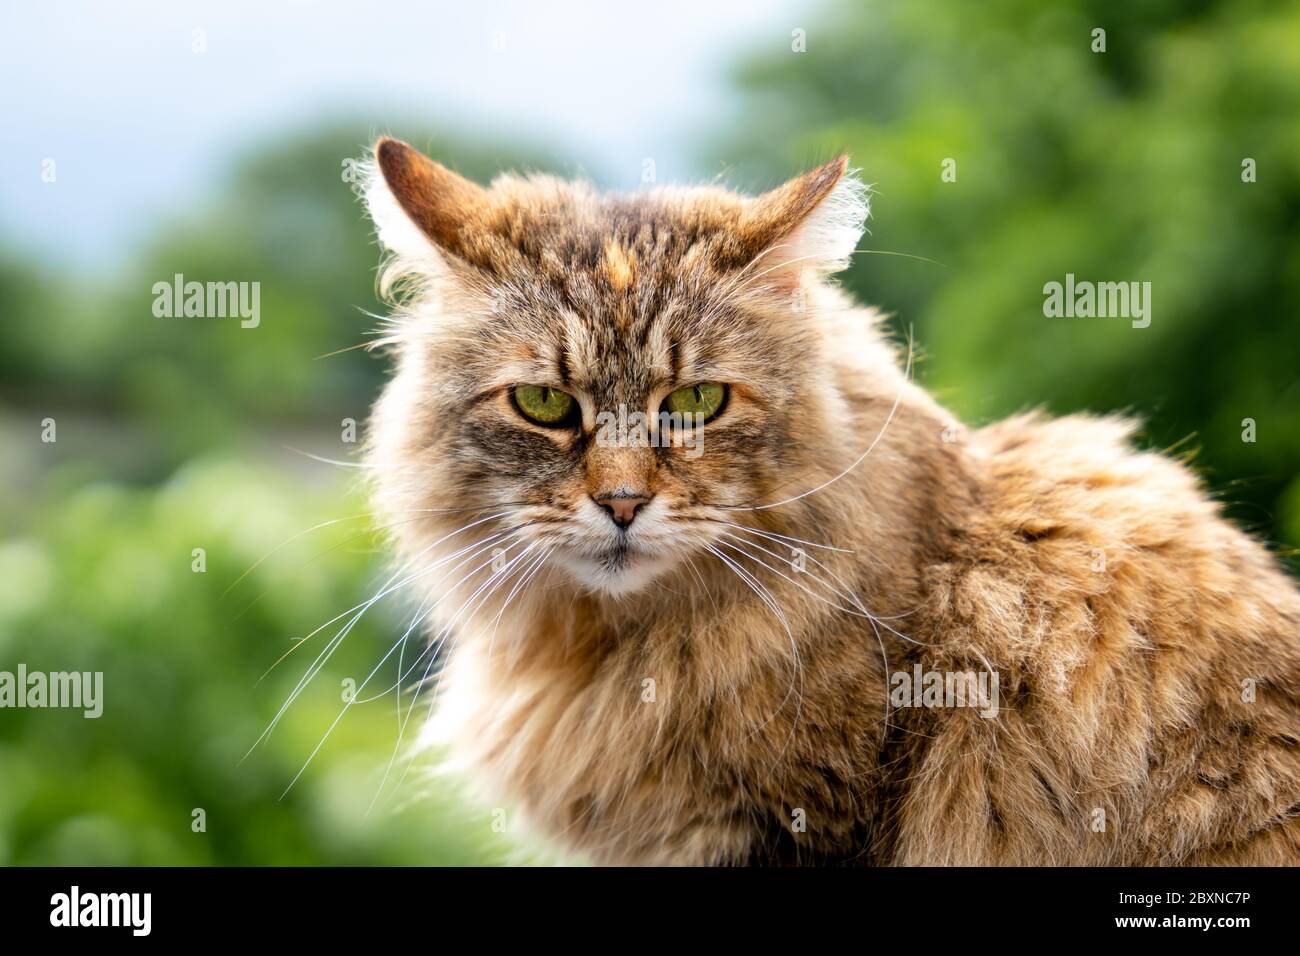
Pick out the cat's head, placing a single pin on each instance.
(607, 376)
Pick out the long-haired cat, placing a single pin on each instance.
(717, 583)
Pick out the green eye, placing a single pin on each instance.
(701, 401)
(544, 405)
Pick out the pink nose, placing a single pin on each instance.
(621, 509)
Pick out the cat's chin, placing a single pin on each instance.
(617, 573)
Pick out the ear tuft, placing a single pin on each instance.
(397, 234)
(418, 205)
(816, 219)
(832, 230)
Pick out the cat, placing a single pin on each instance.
(659, 657)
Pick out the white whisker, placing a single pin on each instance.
(797, 673)
(907, 376)
(318, 664)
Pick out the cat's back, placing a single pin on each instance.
(1149, 653)
(1072, 499)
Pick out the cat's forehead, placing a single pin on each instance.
(615, 287)
(560, 229)
(614, 321)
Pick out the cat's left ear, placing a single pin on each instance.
(813, 222)
(420, 208)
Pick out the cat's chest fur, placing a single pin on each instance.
(656, 750)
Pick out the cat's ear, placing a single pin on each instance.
(813, 222)
(419, 206)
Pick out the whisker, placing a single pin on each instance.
(258, 563)
(326, 461)
(370, 532)
(450, 590)
(385, 589)
(847, 593)
(348, 705)
(780, 538)
(365, 514)
(431, 650)
(529, 573)
(797, 674)
(368, 346)
(875, 622)
(417, 619)
(907, 375)
(360, 610)
(880, 641)
(904, 255)
(777, 571)
(499, 578)
(703, 585)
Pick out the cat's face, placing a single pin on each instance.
(613, 376)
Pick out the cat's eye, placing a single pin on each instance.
(545, 405)
(701, 401)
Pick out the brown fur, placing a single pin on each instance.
(1119, 610)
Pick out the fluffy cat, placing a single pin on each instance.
(673, 653)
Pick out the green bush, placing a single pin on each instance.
(104, 582)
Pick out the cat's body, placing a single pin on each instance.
(717, 688)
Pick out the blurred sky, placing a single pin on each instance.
(139, 124)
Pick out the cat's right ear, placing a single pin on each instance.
(419, 207)
(811, 223)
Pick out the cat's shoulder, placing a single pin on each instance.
(1079, 532)
(1083, 474)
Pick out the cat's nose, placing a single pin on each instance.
(621, 508)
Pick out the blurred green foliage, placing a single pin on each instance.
(172, 433)
(285, 217)
(103, 581)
